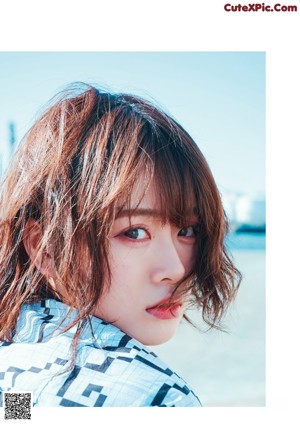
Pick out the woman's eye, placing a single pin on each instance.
(136, 234)
(190, 231)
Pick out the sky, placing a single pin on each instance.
(218, 97)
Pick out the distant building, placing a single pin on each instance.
(246, 212)
(12, 135)
(8, 147)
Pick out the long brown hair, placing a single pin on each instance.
(78, 162)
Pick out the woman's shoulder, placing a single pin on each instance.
(133, 374)
(111, 368)
(38, 322)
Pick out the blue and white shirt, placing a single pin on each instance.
(111, 368)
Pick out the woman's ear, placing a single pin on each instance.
(32, 237)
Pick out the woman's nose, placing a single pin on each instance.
(167, 265)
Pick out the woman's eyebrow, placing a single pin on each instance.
(154, 213)
(139, 212)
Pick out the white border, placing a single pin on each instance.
(195, 25)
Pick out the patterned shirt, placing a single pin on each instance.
(111, 368)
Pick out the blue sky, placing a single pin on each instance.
(219, 97)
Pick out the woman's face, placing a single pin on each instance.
(146, 259)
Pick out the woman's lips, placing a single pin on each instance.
(164, 311)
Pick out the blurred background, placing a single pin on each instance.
(219, 98)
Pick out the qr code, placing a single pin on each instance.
(17, 406)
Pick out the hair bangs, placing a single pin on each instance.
(177, 200)
(162, 160)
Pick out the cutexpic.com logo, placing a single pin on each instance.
(259, 7)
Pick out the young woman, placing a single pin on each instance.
(111, 228)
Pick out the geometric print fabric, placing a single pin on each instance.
(110, 369)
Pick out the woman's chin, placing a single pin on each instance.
(155, 338)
